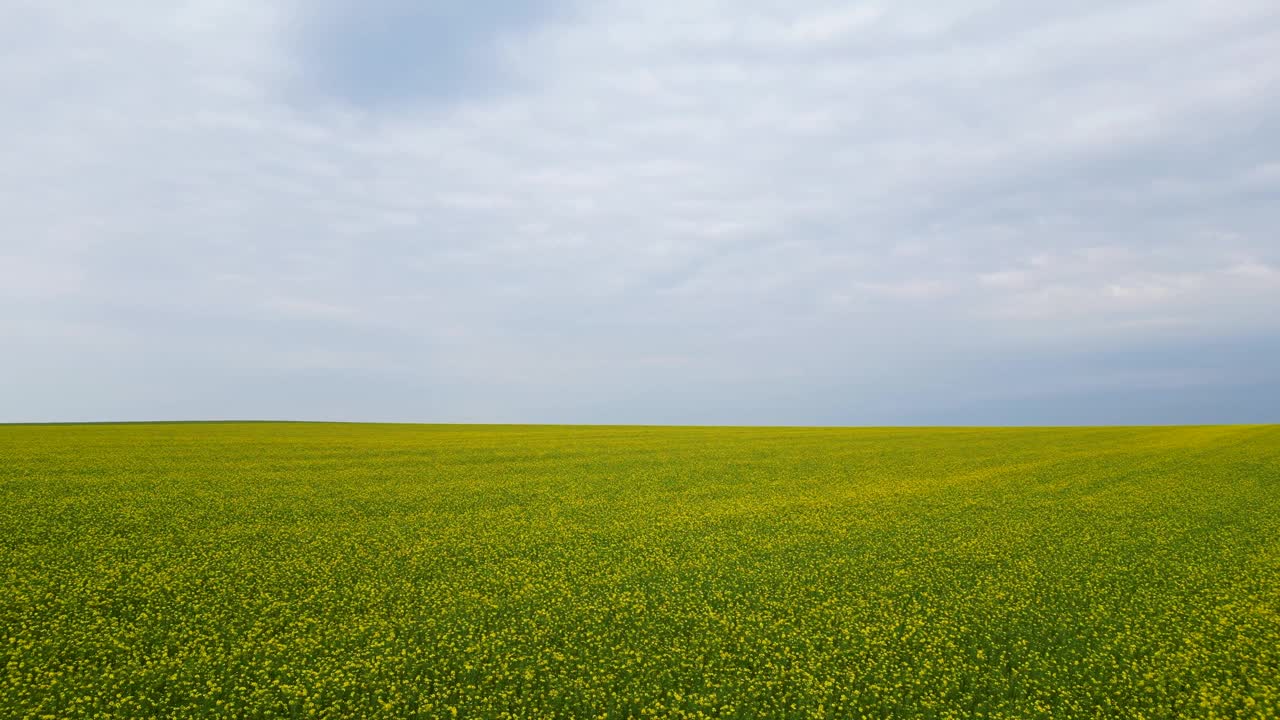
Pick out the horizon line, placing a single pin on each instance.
(60, 423)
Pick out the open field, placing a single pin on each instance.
(310, 570)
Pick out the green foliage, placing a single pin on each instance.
(382, 571)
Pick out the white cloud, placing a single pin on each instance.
(1005, 279)
(37, 278)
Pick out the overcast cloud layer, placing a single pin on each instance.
(693, 211)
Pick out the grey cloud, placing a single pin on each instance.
(407, 52)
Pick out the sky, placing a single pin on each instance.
(757, 212)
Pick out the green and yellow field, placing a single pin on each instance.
(386, 571)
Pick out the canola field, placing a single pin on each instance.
(401, 571)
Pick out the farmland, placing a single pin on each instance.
(382, 571)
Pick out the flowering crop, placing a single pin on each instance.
(388, 571)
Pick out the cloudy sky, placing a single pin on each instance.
(674, 211)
